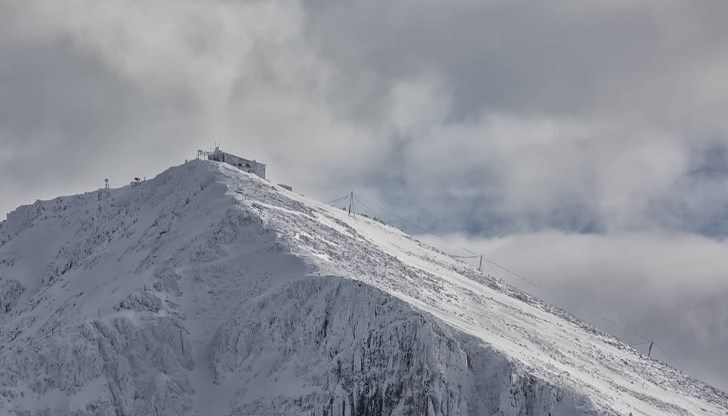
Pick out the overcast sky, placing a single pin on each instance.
(583, 144)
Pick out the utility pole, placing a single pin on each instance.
(649, 351)
(352, 208)
(480, 265)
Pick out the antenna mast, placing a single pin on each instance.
(352, 208)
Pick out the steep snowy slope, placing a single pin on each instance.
(208, 291)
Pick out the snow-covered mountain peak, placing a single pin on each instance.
(208, 290)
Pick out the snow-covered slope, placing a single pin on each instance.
(208, 291)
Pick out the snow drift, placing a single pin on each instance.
(209, 291)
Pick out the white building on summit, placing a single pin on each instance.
(250, 166)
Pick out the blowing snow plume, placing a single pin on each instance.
(210, 291)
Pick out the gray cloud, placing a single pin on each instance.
(698, 199)
(487, 118)
(532, 58)
(542, 107)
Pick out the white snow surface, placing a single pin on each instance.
(209, 291)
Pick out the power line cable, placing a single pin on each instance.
(337, 199)
(473, 254)
(371, 211)
(641, 344)
(590, 311)
(312, 184)
(518, 275)
(669, 356)
(412, 224)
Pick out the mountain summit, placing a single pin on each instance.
(210, 291)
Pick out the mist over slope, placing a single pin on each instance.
(210, 291)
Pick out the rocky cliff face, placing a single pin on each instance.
(210, 291)
(353, 350)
